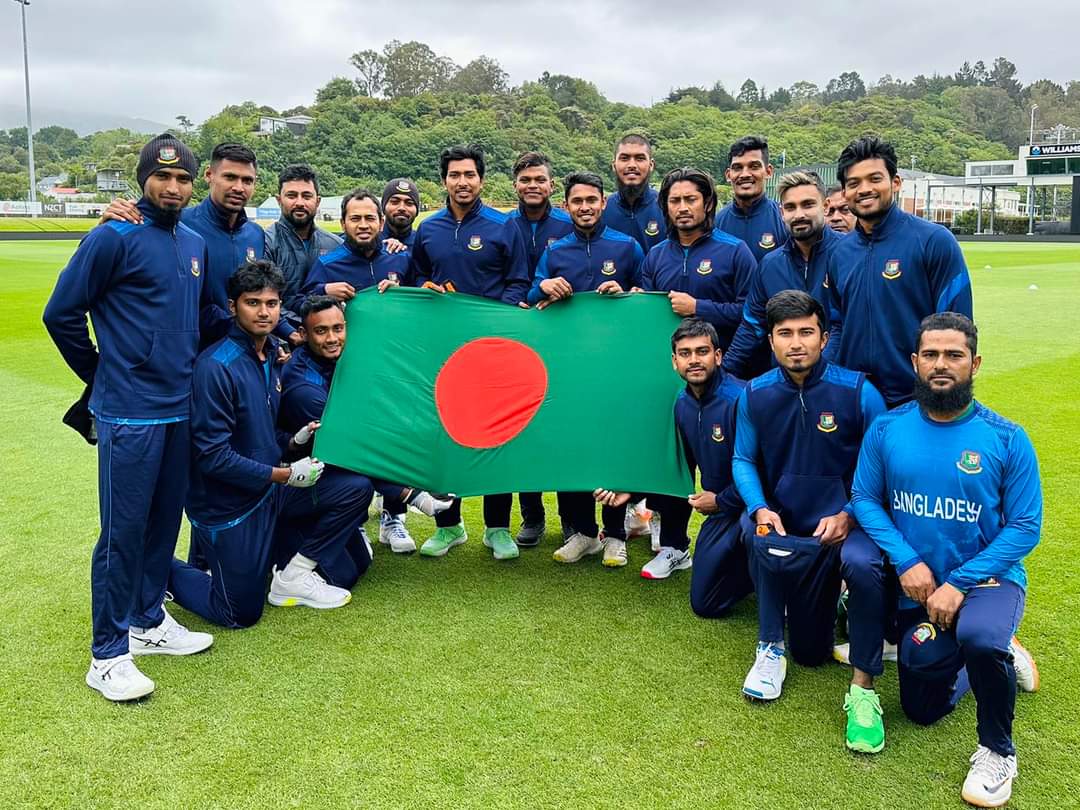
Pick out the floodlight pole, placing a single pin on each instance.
(29, 122)
(1031, 129)
(1031, 208)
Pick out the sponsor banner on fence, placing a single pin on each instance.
(19, 208)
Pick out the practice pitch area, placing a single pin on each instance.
(463, 681)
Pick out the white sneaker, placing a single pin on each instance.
(168, 638)
(427, 504)
(392, 532)
(308, 589)
(1027, 674)
(989, 781)
(118, 678)
(766, 677)
(614, 552)
(637, 519)
(665, 562)
(841, 653)
(576, 547)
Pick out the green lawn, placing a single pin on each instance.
(463, 682)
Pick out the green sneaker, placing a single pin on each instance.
(865, 728)
(445, 538)
(500, 542)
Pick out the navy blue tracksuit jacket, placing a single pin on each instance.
(482, 255)
(235, 399)
(586, 262)
(883, 285)
(540, 234)
(305, 382)
(346, 263)
(644, 221)
(762, 227)
(796, 447)
(716, 270)
(749, 354)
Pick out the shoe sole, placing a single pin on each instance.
(442, 552)
(528, 542)
(117, 699)
(579, 558)
(300, 601)
(977, 802)
(164, 651)
(389, 544)
(750, 693)
(680, 567)
(1031, 660)
(863, 748)
(614, 563)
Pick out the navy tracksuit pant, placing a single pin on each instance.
(532, 508)
(803, 576)
(720, 578)
(578, 511)
(142, 483)
(496, 512)
(321, 522)
(938, 666)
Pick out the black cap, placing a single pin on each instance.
(401, 185)
(165, 151)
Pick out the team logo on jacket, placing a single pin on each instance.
(250, 254)
(826, 422)
(970, 462)
(924, 632)
(403, 186)
(768, 241)
(195, 267)
(705, 267)
(167, 154)
(892, 269)
(609, 268)
(653, 228)
(717, 433)
(476, 243)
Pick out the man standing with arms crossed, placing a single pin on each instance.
(471, 248)
(142, 286)
(950, 491)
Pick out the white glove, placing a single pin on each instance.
(305, 472)
(304, 434)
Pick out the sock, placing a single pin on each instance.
(297, 567)
(858, 690)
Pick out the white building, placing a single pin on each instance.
(948, 195)
(296, 124)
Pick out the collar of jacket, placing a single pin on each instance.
(158, 216)
(709, 394)
(239, 336)
(596, 233)
(288, 226)
(323, 365)
(884, 225)
(543, 217)
(812, 379)
(221, 217)
(791, 246)
(472, 212)
(388, 232)
(355, 251)
(676, 245)
(755, 206)
(647, 197)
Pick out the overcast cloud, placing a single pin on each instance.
(193, 57)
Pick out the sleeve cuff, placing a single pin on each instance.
(906, 566)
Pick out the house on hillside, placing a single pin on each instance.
(296, 124)
(111, 181)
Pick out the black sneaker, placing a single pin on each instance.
(529, 535)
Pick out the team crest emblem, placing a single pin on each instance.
(717, 433)
(476, 243)
(403, 186)
(167, 154)
(705, 267)
(826, 422)
(924, 632)
(768, 241)
(195, 267)
(652, 229)
(970, 462)
(251, 254)
(608, 269)
(892, 269)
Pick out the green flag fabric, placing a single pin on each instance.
(456, 393)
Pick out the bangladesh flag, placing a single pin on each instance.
(455, 393)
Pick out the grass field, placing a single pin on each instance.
(464, 682)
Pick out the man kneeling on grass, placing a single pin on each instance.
(799, 428)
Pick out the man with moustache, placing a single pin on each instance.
(633, 208)
(294, 243)
(751, 216)
(892, 271)
(950, 491)
(838, 214)
(801, 263)
(470, 248)
(541, 225)
(142, 286)
(400, 205)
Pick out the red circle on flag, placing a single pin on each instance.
(489, 390)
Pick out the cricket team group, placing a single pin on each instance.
(828, 351)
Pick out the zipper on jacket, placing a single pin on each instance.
(685, 270)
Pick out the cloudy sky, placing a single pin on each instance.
(193, 57)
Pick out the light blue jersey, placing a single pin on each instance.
(963, 497)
